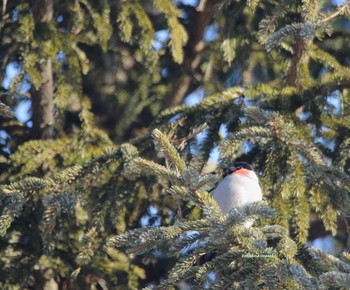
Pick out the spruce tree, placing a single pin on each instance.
(88, 201)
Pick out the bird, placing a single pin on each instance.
(239, 187)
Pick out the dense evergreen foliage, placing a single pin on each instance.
(106, 185)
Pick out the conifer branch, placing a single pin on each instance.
(156, 168)
(163, 145)
(345, 8)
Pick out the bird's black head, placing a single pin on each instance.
(237, 166)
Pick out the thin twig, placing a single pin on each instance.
(338, 12)
(189, 137)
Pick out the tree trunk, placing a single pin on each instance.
(42, 115)
(42, 98)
